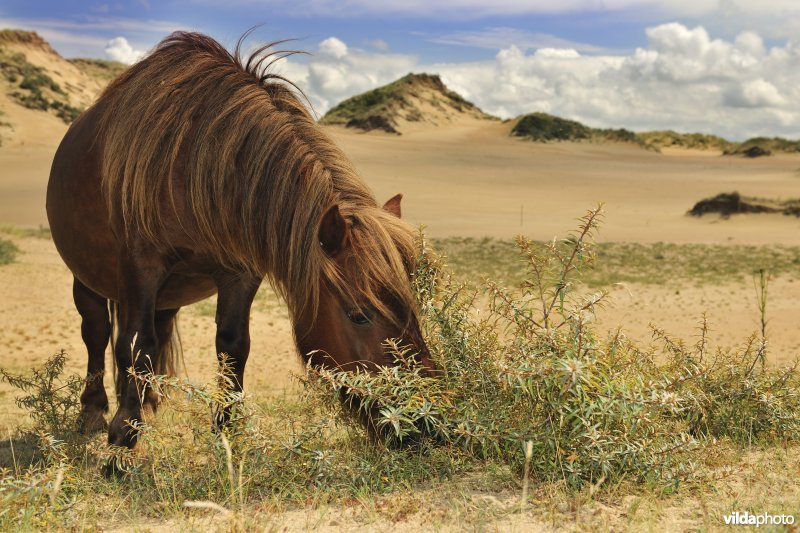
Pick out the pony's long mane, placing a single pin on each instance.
(257, 172)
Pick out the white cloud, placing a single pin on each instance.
(380, 44)
(333, 47)
(683, 79)
(119, 49)
(497, 38)
(754, 94)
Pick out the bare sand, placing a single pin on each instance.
(466, 180)
(473, 180)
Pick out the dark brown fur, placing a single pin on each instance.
(197, 172)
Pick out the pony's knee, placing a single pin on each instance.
(235, 342)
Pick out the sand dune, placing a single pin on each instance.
(474, 180)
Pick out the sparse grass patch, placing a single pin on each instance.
(619, 262)
(206, 307)
(100, 68)
(41, 232)
(8, 252)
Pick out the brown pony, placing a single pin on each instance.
(196, 172)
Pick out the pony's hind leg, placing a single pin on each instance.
(96, 332)
(142, 273)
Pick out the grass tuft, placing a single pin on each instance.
(8, 252)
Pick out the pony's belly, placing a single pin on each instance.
(185, 289)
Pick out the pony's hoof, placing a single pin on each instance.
(115, 468)
(91, 421)
(121, 433)
(221, 421)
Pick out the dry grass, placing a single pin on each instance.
(621, 438)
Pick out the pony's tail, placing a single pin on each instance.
(113, 316)
(170, 350)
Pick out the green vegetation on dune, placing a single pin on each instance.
(727, 204)
(542, 127)
(669, 139)
(380, 108)
(370, 110)
(100, 68)
(764, 146)
(16, 35)
(34, 88)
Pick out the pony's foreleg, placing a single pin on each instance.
(236, 292)
(141, 275)
(96, 332)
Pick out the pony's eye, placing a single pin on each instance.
(360, 316)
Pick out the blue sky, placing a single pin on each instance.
(729, 67)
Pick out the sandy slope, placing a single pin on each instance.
(29, 138)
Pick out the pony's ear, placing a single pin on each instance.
(333, 231)
(392, 205)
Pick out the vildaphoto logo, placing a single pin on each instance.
(747, 519)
